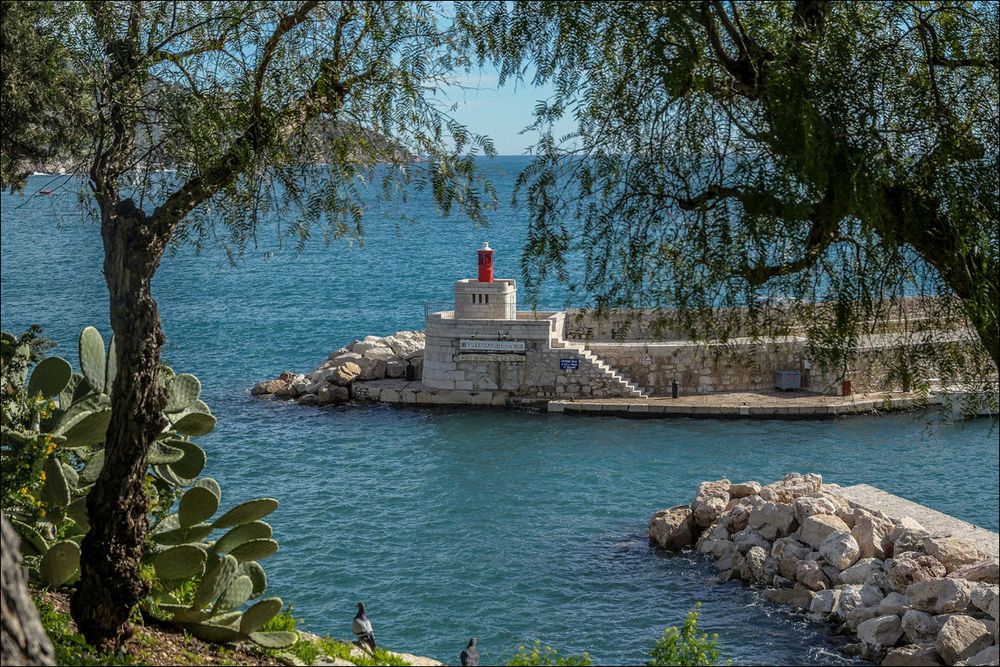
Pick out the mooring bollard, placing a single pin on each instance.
(674, 387)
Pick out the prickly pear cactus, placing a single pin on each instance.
(187, 540)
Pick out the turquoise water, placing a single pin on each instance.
(509, 526)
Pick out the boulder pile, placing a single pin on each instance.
(909, 597)
(400, 355)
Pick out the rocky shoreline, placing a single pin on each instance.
(909, 597)
(397, 356)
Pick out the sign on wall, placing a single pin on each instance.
(569, 364)
(472, 345)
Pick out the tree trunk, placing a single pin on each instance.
(110, 585)
(22, 638)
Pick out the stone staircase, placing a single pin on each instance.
(629, 389)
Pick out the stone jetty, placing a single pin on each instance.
(399, 355)
(859, 558)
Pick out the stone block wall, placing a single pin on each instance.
(535, 374)
(486, 301)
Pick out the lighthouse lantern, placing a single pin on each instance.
(485, 263)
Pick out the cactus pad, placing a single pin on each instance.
(215, 581)
(92, 469)
(211, 485)
(197, 504)
(194, 533)
(254, 530)
(55, 490)
(182, 391)
(59, 563)
(279, 639)
(252, 569)
(251, 510)
(193, 462)
(32, 542)
(254, 550)
(160, 453)
(195, 423)
(92, 359)
(50, 377)
(238, 592)
(111, 369)
(217, 634)
(259, 614)
(179, 562)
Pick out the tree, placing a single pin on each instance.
(207, 115)
(840, 155)
(24, 639)
(39, 118)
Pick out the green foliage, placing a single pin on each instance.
(308, 650)
(70, 647)
(546, 656)
(734, 158)
(43, 100)
(200, 585)
(685, 646)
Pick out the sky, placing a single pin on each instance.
(500, 113)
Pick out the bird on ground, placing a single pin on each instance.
(362, 627)
(470, 654)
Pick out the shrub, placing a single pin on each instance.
(547, 656)
(685, 646)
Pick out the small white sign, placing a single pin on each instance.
(471, 345)
(488, 356)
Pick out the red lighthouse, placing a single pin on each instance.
(485, 263)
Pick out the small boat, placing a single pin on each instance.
(45, 192)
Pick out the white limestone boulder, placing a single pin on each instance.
(880, 632)
(817, 527)
(671, 528)
(861, 571)
(872, 535)
(940, 596)
(744, 489)
(988, 656)
(893, 603)
(912, 655)
(909, 567)
(807, 506)
(710, 502)
(810, 574)
(920, 627)
(953, 552)
(962, 637)
(907, 535)
(773, 520)
(840, 549)
(986, 571)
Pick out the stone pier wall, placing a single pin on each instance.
(535, 374)
(746, 365)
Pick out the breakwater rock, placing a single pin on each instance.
(400, 355)
(910, 598)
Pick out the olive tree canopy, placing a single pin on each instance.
(196, 119)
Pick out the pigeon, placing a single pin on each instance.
(470, 654)
(362, 627)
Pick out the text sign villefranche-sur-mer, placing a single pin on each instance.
(567, 364)
(466, 345)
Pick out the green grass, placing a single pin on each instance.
(70, 647)
(308, 650)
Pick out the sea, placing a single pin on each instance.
(507, 525)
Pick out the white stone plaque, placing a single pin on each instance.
(485, 356)
(472, 345)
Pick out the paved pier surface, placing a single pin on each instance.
(771, 405)
(937, 523)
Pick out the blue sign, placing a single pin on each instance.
(566, 364)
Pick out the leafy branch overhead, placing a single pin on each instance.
(753, 154)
